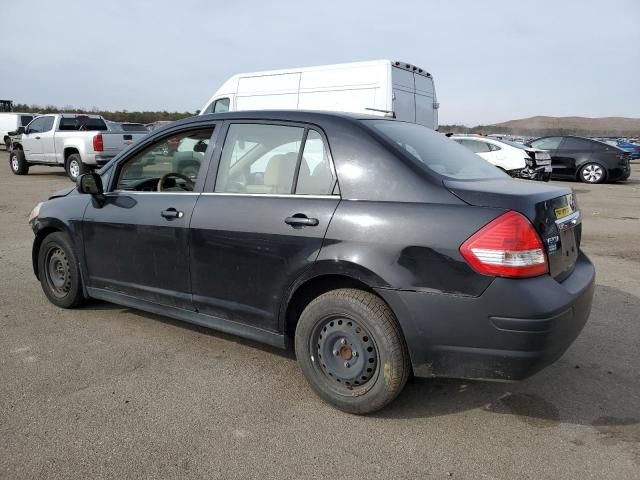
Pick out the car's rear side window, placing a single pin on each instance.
(266, 159)
(82, 123)
(434, 151)
(576, 144)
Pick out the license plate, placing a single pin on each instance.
(562, 211)
(547, 169)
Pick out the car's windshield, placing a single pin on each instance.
(434, 151)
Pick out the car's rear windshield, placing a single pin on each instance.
(82, 124)
(435, 151)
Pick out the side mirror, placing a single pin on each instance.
(90, 183)
(20, 131)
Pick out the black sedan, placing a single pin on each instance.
(583, 159)
(378, 248)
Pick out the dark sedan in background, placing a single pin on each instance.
(583, 159)
(378, 248)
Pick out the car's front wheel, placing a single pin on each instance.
(352, 351)
(592, 173)
(59, 271)
(18, 163)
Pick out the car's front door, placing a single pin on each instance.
(136, 240)
(31, 141)
(262, 221)
(47, 140)
(551, 144)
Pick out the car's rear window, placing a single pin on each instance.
(435, 151)
(82, 124)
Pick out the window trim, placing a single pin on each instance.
(214, 168)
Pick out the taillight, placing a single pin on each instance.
(98, 145)
(508, 246)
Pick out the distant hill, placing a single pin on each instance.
(539, 126)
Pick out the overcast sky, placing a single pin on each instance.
(491, 60)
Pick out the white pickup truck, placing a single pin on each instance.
(77, 142)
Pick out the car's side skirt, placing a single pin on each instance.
(215, 323)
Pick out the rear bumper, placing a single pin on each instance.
(514, 329)
(619, 174)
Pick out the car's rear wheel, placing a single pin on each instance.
(59, 271)
(18, 163)
(592, 173)
(352, 351)
(75, 167)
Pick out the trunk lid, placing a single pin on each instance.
(552, 211)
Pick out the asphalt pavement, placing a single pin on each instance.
(110, 392)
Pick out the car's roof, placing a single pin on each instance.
(290, 115)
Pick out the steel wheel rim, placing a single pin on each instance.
(57, 272)
(74, 168)
(592, 173)
(14, 163)
(345, 353)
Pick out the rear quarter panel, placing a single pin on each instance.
(408, 246)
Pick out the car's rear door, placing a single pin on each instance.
(571, 155)
(261, 220)
(136, 241)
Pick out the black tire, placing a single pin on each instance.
(18, 163)
(75, 167)
(59, 271)
(592, 173)
(340, 323)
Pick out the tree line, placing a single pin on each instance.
(113, 115)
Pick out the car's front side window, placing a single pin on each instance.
(170, 164)
(549, 143)
(47, 124)
(36, 126)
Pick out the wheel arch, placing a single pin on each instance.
(588, 161)
(309, 288)
(37, 242)
(68, 151)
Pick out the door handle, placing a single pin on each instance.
(301, 220)
(37, 138)
(171, 213)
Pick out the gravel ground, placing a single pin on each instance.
(110, 392)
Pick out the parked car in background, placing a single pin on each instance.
(155, 125)
(76, 142)
(378, 87)
(10, 122)
(126, 126)
(514, 158)
(583, 159)
(288, 232)
(631, 148)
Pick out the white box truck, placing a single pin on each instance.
(378, 87)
